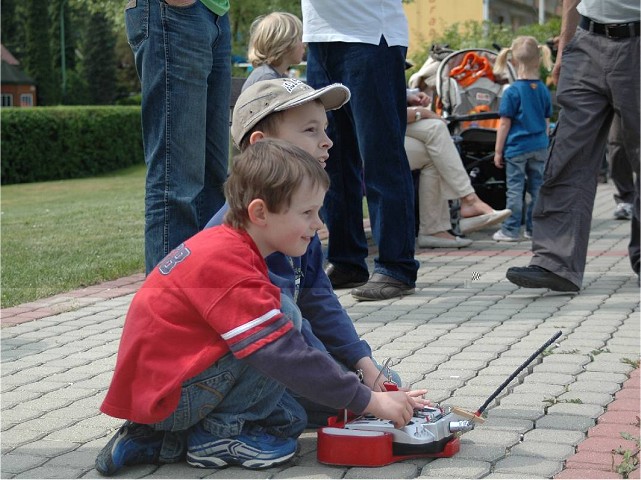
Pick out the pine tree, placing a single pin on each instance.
(37, 57)
(100, 59)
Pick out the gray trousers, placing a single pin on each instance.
(598, 77)
(620, 166)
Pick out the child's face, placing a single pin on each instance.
(304, 126)
(290, 231)
(296, 54)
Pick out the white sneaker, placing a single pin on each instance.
(527, 235)
(501, 237)
(623, 211)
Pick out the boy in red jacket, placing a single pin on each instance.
(208, 347)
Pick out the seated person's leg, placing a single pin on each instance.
(440, 149)
(227, 404)
(434, 215)
(432, 206)
(235, 404)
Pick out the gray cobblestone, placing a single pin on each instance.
(548, 451)
(587, 410)
(557, 421)
(567, 437)
(18, 463)
(538, 466)
(455, 468)
(601, 399)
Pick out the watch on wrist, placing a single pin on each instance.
(417, 115)
(359, 374)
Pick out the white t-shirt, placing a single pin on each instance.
(610, 11)
(355, 21)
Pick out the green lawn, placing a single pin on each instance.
(62, 235)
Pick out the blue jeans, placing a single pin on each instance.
(523, 172)
(368, 154)
(182, 57)
(229, 394)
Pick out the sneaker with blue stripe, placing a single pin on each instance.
(132, 444)
(253, 449)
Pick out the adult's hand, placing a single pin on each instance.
(420, 99)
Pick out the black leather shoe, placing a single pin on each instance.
(382, 287)
(346, 277)
(534, 276)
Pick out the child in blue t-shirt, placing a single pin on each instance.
(522, 137)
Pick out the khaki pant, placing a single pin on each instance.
(431, 150)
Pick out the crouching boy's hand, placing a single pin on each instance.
(417, 396)
(397, 407)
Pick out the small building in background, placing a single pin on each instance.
(17, 88)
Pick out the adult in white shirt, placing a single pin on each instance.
(362, 44)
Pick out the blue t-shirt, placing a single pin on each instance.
(528, 104)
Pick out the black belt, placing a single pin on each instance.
(610, 30)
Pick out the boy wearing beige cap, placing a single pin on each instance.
(291, 110)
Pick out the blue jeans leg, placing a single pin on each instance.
(182, 57)
(230, 394)
(368, 135)
(515, 179)
(534, 170)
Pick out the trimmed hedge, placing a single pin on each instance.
(54, 143)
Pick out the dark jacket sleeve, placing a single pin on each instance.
(320, 306)
(310, 373)
(217, 219)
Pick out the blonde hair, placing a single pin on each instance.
(527, 55)
(271, 170)
(271, 36)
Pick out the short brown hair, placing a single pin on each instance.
(270, 170)
(268, 125)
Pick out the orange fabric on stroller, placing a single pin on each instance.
(472, 68)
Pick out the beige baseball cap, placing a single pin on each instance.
(269, 96)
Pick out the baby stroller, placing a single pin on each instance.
(468, 96)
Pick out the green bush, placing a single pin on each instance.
(135, 99)
(54, 143)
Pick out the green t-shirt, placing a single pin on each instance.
(219, 7)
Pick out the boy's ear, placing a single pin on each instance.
(257, 212)
(256, 136)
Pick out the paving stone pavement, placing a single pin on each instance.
(460, 336)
